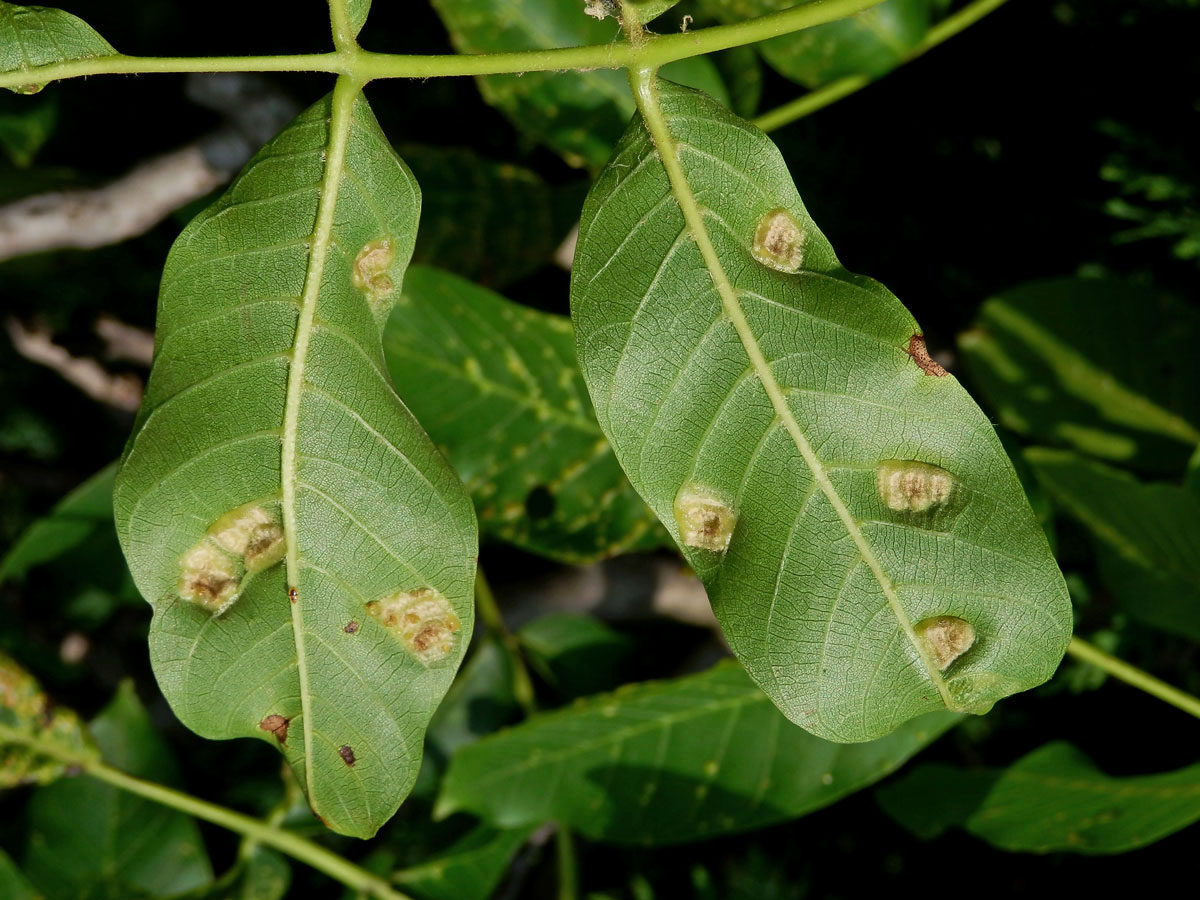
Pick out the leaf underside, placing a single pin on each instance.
(269, 336)
(32, 36)
(668, 762)
(828, 572)
(498, 387)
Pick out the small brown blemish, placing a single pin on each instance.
(293, 595)
(371, 270)
(351, 627)
(946, 637)
(920, 355)
(277, 725)
(346, 752)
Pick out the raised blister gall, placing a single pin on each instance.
(706, 520)
(946, 637)
(277, 725)
(909, 486)
(253, 533)
(371, 268)
(210, 577)
(779, 241)
(421, 619)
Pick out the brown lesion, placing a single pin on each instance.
(920, 355)
(277, 725)
(346, 752)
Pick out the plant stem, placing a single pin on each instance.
(843, 87)
(293, 845)
(568, 865)
(363, 65)
(489, 613)
(1131, 675)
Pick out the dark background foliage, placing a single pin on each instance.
(992, 161)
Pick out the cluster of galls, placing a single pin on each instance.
(242, 542)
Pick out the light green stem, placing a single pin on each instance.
(363, 65)
(293, 845)
(1131, 675)
(568, 864)
(489, 614)
(843, 87)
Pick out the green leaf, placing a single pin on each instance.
(88, 839)
(578, 114)
(577, 655)
(261, 874)
(24, 131)
(1102, 366)
(13, 884)
(32, 36)
(480, 701)
(869, 44)
(487, 221)
(1053, 800)
(854, 517)
(269, 429)
(1148, 536)
(498, 387)
(28, 720)
(357, 12)
(668, 762)
(84, 512)
(469, 870)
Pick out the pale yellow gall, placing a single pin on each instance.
(946, 637)
(910, 486)
(371, 268)
(706, 520)
(779, 241)
(422, 619)
(253, 533)
(209, 577)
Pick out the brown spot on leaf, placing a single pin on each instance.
(929, 365)
(347, 755)
(293, 595)
(351, 627)
(277, 725)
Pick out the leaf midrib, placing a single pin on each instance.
(645, 89)
(345, 93)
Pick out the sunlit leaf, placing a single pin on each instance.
(1053, 800)
(1148, 536)
(667, 762)
(865, 543)
(308, 553)
(578, 114)
(498, 388)
(28, 719)
(88, 839)
(1102, 366)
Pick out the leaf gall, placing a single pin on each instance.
(779, 242)
(706, 521)
(421, 619)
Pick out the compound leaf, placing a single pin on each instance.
(1098, 365)
(668, 762)
(308, 553)
(1053, 800)
(28, 720)
(1148, 535)
(33, 36)
(498, 387)
(578, 114)
(865, 542)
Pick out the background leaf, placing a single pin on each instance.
(382, 528)
(1053, 800)
(870, 43)
(1102, 366)
(469, 870)
(849, 503)
(668, 762)
(32, 36)
(30, 716)
(24, 129)
(1147, 536)
(88, 839)
(13, 884)
(498, 388)
(576, 655)
(578, 114)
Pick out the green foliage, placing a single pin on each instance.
(576, 655)
(35, 734)
(783, 417)
(32, 36)
(1147, 536)
(88, 839)
(578, 114)
(1053, 358)
(1053, 800)
(25, 129)
(268, 339)
(471, 869)
(13, 884)
(498, 388)
(870, 43)
(668, 762)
